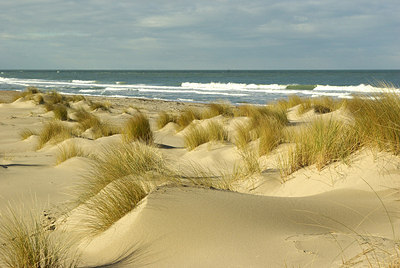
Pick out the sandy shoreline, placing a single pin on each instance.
(337, 216)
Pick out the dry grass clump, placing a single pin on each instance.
(30, 93)
(198, 175)
(164, 118)
(258, 113)
(60, 112)
(243, 135)
(138, 128)
(250, 159)
(112, 203)
(53, 97)
(320, 105)
(377, 119)
(320, 143)
(118, 161)
(218, 108)
(270, 132)
(54, 132)
(86, 119)
(266, 123)
(26, 133)
(197, 135)
(25, 242)
(69, 150)
(105, 106)
(75, 98)
(186, 117)
(99, 128)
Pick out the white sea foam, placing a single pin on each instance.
(84, 81)
(230, 86)
(88, 90)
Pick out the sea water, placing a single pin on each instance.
(258, 87)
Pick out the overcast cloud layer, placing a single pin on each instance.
(177, 34)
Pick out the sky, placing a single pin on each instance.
(203, 34)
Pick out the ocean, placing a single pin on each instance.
(257, 87)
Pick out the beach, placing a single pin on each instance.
(230, 198)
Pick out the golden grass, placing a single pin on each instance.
(60, 112)
(69, 150)
(218, 108)
(118, 161)
(377, 119)
(320, 143)
(53, 97)
(138, 128)
(257, 113)
(250, 160)
(197, 135)
(164, 118)
(105, 106)
(270, 132)
(186, 117)
(198, 175)
(243, 135)
(112, 203)
(26, 133)
(54, 132)
(75, 98)
(86, 119)
(25, 242)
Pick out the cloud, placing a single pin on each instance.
(213, 34)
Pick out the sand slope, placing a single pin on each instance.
(341, 216)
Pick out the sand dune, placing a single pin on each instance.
(344, 215)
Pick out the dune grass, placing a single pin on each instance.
(53, 97)
(320, 105)
(137, 128)
(320, 143)
(113, 202)
(377, 119)
(54, 132)
(218, 108)
(197, 135)
(250, 160)
(105, 106)
(271, 133)
(26, 133)
(99, 128)
(60, 112)
(69, 150)
(25, 242)
(243, 135)
(75, 98)
(164, 118)
(118, 161)
(186, 117)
